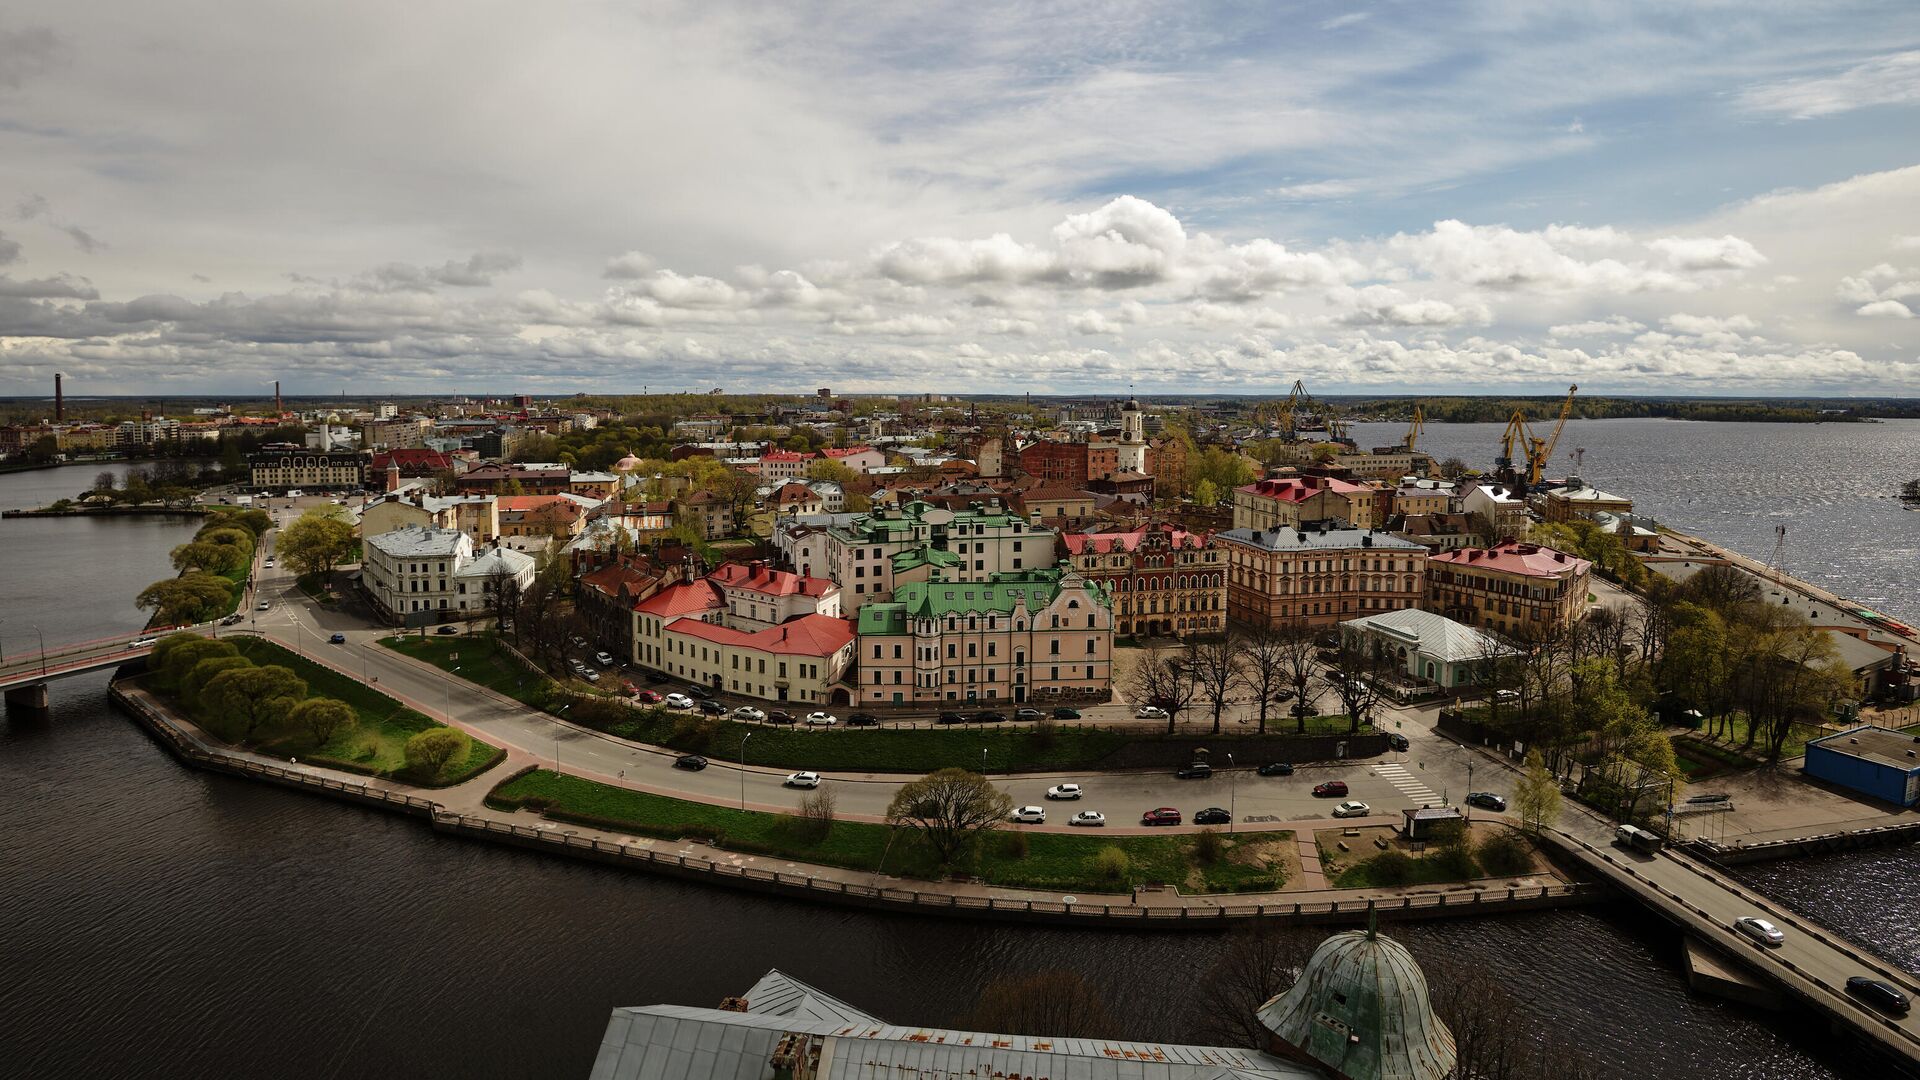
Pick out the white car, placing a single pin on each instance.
(1088, 817)
(803, 779)
(603, 659)
(1352, 808)
(269, 563)
(1031, 815)
(679, 701)
(142, 643)
(1064, 791)
(1150, 712)
(748, 712)
(264, 605)
(821, 719)
(1760, 930)
(590, 676)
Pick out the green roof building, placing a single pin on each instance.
(873, 553)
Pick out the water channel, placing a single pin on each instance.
(166, 922)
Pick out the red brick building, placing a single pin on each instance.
(1075, 463)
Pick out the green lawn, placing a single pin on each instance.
(1736, 734)
(478, 661)
(1355, 871)
(1051, 860)
(375, 745)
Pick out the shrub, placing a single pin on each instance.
(692, 733)
(1506, 853)
(428, 752)
(1208, 846)
(816, 815)
(1112, 864)
(1390, 867)
(1044, 732)
(1013, 844)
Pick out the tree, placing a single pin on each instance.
(157, 656)
(205, 557)
(503, 600)
(104, 483)
(1453, 468)
(1206, 493)
(1294, 650)
(1536, 795)
(1053, 1003)
(247, 699)
(256, 522)
(829, 469)
(1215, 668)
(1164, 681)
(1723, 587)
(815, 814)
(317, 541)
(1356, 677)
(1259, 963)
(428, 752)
(322, 718)
(202, 673)
(949, 808)
(1266, 677)
(192, 597)
(240, 540)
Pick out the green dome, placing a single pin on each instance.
(1361, 1009)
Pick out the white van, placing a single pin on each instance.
(1638, 839)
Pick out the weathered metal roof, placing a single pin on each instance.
(779, 994)
(1361, 1007)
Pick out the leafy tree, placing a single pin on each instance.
(1505, 853)
(1206, 493)
(322, 718)
(428, 752)
(317, 541)
(203, 556)
(190, 598)
(238, 539)
(202, 673)
(254, 521)
(247, 699)
(949, 808)
(829, 469)
(1536, 795)
(162, 649)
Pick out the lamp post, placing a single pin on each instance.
(743, 769)
(1469, 790)
(559, 712)
(43, 648)
(446, 711)
(1233, 793)
(983, 761)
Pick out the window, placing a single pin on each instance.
(876, 650)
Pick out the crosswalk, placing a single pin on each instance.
(1407, 784)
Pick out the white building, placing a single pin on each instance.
(1500, 504)
(873, 552)
(1133, 438)
(476, 582)
(409, 572)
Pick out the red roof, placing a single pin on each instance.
(611, 578)
(412, 458)
(1300, 488)
(793, 491)
(508, 504)
(1514, 557)
(1101, 543)
(784, 455)
(761, 578)
(808, 635)
(846, 452)
(681, 599)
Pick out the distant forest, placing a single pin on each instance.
(1471, 410)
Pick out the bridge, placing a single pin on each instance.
(1811, 966)
(24, 678)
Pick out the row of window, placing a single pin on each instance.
(1262, 583)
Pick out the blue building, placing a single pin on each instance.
(1870, 760)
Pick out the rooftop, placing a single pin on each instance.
(417, 541)
(1514, 557)
(1285, 538)
(1876, 744)
(760, 578)
(808, 635)
(1435, 635)
(1000, 594)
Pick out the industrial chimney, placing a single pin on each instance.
(59, 397)
(277, 407)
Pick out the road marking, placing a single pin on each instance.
(1405, 782)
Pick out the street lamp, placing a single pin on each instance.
(743, 769)
(1233, 792)
(43, 648)
(447, 711)
(983, 761)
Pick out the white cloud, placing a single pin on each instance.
(1349, 19)
(1886, 80)
(944, 261)
(1886, 309)
(1501, 258)
(628, 265)
(1612, 325)
(1699, 325)
(1708, 253)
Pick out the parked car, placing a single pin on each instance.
(627, 688)
(337, 638)
(679, 701)
(1882, 996)
(650, 697)
(1030, 815)
(1064, 713)
(988, 716)
(802, 779)
(1486, 800)
(590, 675)
(1332, 789)
(748, 712)
(690, 761)
(143, 643)
(951, 718)
(696, 690)
(1088, 817)
(781, 716)
(1276, 768)
(1028, 714)
(863, 719)
(1165, 815)
(1396, 741)
(1760, 930)
(1150, 712)
(603, 659)
(1212, 815)
(821, 719)
(1064, 791)
(657, 677)
(448, 630)
(710, 707)
(1506, 696)
(1199, 770)
(578, 641)
(1352, 808)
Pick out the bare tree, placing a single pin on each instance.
(949, 808)
(1297, 649)
(1215, 667)
(1259, 963)
(1266, 673)
(503, 601)
(1356, 677)
(1164, 680)
(1061, 1004)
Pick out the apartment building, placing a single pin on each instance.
(873, 552)
(421, 574)
(1163, 579)
(283, 468)
(1319, 575)
(707, 512)
(476, 515)
(1578, 499)
(1294, 501)
(1521, 590)
(690, 630)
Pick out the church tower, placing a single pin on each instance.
(1133, 437)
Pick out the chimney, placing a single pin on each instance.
(277, 407)
(59, 397)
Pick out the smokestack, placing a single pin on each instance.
(277, 407)
(59, 397)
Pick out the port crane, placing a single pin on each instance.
(1538, 451)
(1299, 404)
(1415, 429)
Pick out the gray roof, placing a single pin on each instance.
(779, 994)
(497, 560)
(1435, 635)
(1287, 538)
(418, 541)
(1361, 1007)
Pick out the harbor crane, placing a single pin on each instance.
(1538, 451)
(1415, 429)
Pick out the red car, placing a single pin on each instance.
(1166, 815)
(651, 697)
(629, 689)
(1332, 789)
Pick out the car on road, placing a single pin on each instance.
(1212, 815)
(988, 716)
(1064, 791)
(690, 761)
(1028, 714)
(1882, 996)
(1396, 741)
(650, 697)
(1276, 768)
(1486, 800)
(590, 675)
(1165, 815)
(951, 718)
(709, 706)
(1064, 713)
(1352, 808)
(232, 619)
(696, 690)
(337, 638)
(801, 779)
(679, 701)
(781, 716)
(1199, 770)
(863, 719)
(748, 712)
(1332, 789)
(821, 719)
(264, 605)
(448, 630)
(1150, 712)
(1088, 817)
(603, 659)
(1506, 696)
(143, 643)
(1030, 815)
(1760, 930)
(269, 563)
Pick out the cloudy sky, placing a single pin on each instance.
(1418, 196)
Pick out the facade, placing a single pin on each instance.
(477, 579)
(1319, 576)
(1164, 579)
(784, 464)
(1302, 500)
(710, 514)
(1874, 761)
(560, 516)
(395, 433)
(1072, 462)
(410, 572)
(287, 468)
(861, 459)
(1500, 505)
(502, 479)
(757, 596)
(1578, 499)
(1386, 464)
(1521, 590)
(1027, 635)
(1422, 497)
(476, 515)
(1426, 648)
(1439, 532)
(412, 464)
(875, 551)
(1132, 455)
(688, 630)
(605, 599)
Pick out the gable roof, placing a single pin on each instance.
(760, 578)
(1435, 635)
(1515, 557)
(809, 635)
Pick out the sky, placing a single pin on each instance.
(1424, 197)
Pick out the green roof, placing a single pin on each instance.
(923, 555)
(998, 595)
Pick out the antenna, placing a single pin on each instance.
(1778, 561)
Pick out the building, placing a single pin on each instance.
(285, 468)
(1578, 499)
(1360, 1010)
(1420, 497)
(1520, 590)
(1427, 648)
(758, 596)
(1164, 579)
(1503, 508)
(605, 599)
(1439, 532)
(784, 465)
(559, 516)
(593, 485)
(395, 433)
(688, 630)
(409, 573)
(1043, 635)
(1387, 464)
(1302, 500)
(1072, 462)
(412, 463)
(1132, 454)
(1057, 503)
(875, 551)
(861, 459)
(477, 580)
(1874, 761)
(1319, 575)
(515, 480)
(710, 514)
(476, 515)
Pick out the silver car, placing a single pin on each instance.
(1760, 930)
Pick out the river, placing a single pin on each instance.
(167, 922)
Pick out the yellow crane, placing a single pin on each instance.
(1537, 450)
(1415, 429)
